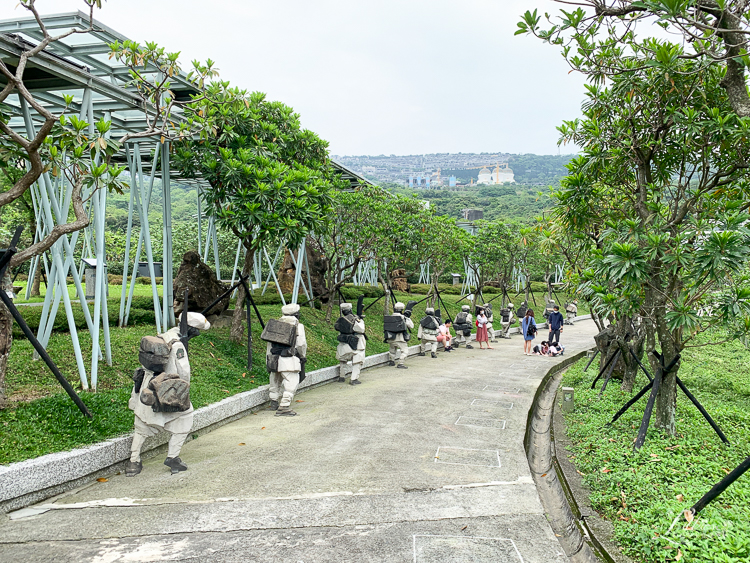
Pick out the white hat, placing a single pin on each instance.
(510, 305)
(345, 306)
(290, 309)
(429, 311)
(399, 306)
(465, 308)
(197, 320)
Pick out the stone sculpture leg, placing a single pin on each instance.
(403, 349)
(290, 380)
(356, 368)
(175, 444)
(275, 381)
(142, 431)
(393, 351)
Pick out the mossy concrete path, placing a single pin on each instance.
(423, 465)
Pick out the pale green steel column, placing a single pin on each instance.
(128, 234)
(167, 289)
(47, 197)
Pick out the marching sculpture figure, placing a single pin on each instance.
(428, 332)
(161, 394)
(490, 319)
(462, 326)
(396, 328)
(571, 310)
(286, 355)
(506, 319)
(352, 341)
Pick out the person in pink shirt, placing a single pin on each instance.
(445, 335)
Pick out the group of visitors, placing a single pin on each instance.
(549, 347)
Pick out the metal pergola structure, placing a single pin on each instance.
(79, 66)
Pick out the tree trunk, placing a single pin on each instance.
(332, 299)
(35, 287)
(666, 398)
(528, 290)
(237, 332)
(386, 288)
(6, 338)
(330, 284)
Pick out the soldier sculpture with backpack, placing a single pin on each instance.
(462, 326)
(396, 329)
(428, 332)
(352, 342)
(286, 355)
(160, 398)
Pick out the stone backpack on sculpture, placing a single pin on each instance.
(430, 323)
(394, 324)
(345, 324)
(283, 339)
(153, 353)
(461, 324)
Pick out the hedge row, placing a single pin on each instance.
(141, 312)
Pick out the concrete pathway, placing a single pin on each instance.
(423, 465)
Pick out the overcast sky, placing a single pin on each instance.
(377, 77)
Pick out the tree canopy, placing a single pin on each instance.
(656, 197)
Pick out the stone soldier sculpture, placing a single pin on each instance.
(506, 319)
(571, 310)
(521, 311)
(490, 319)
(352, 341)
(161, 393)
(462, 326)
(286, 355)
(428, 332)
(396, 329)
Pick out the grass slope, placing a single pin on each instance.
(642, 493)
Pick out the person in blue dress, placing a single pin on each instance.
(528, 329)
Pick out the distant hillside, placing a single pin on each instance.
(512, 202)
(529, 169)
(539, 169)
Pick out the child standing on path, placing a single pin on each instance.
(528, 329)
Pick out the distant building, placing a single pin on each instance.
(472, 215)
(501, 174)
(419, 181)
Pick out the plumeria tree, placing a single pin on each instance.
(269, 180)
(402, 222)
(443, 246)
(351, 236)
(657, 196)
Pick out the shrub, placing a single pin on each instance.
(147, 281)
(444, 288)
(352, 292)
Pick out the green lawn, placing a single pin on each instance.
(642, 493)
(44, 420)
(140, 289)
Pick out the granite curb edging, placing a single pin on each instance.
(600, 530)
(557, 487)
(26, 482)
